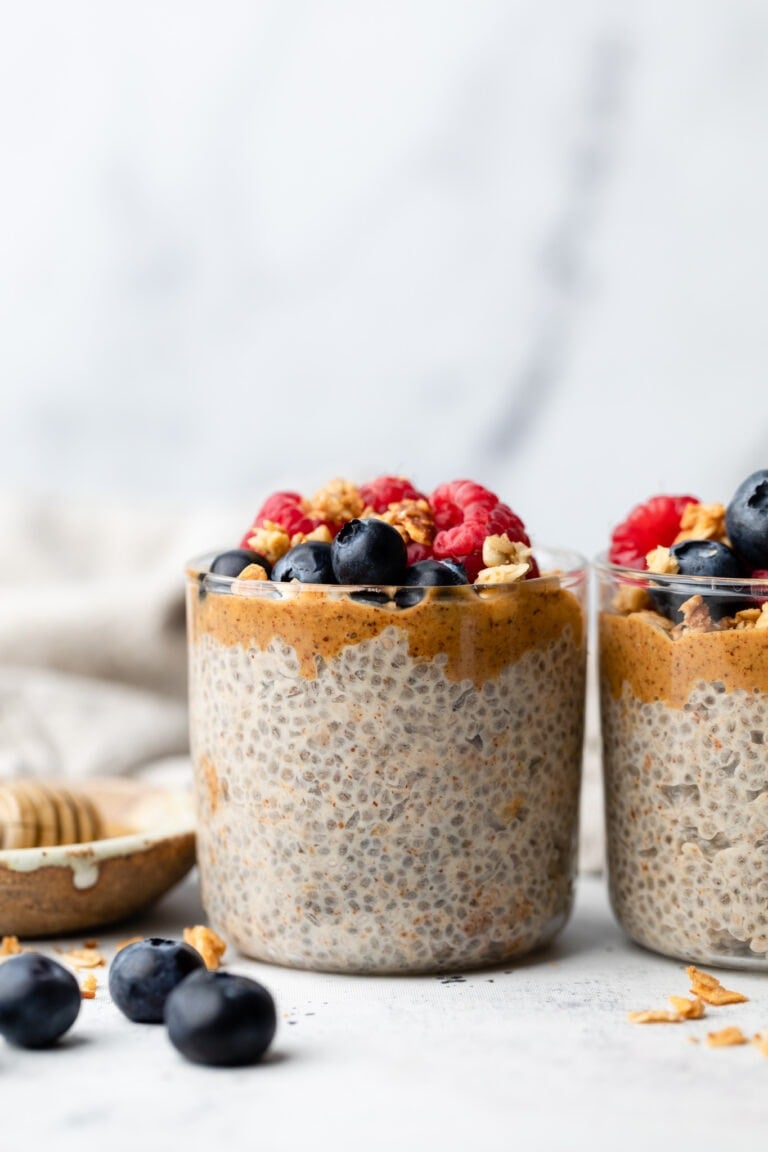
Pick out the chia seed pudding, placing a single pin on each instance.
(685, 754)
(387, 785)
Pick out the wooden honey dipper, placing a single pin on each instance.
(38, 815)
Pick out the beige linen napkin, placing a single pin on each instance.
(92, 634)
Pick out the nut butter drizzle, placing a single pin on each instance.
(479, 633)
(634, 651)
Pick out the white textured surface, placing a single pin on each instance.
(538, 1057)
(256, 244)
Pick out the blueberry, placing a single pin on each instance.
(457, 567)
(233, 562)
(701, 558)
(746, 520)
(370, 596)
(369, 552)
(309, 562)
(142, 975)
(435, 572)
(220, 1018)
(427, 573)
(39, 1000)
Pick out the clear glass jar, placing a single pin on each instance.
(684, 707)
(387, 780)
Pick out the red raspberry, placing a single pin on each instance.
(457, 501)
(386, 490)
(654, 524)
(417, 552)
(465, 513)
(285, 509)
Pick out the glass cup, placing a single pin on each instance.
(684, 707)
(387, 780)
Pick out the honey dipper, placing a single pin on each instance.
(37, 815)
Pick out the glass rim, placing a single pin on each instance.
(735, 584)
(575, 568)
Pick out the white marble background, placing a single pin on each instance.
(249, 244)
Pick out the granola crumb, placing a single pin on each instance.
(760, 1040)
(321, 535)
(413, 519)
(208, 943)
(270, 541)
(709, 988)
(661, 562)
(88, 987)
(85, 957)
(502, 550)
(656, 620)
(253, 572)
(338, 501)
(688, 1009)
(696, 617)
(682, 1009)
(702, 522)
(630, 598)
(656, 1016)
(726, 1038)
(9, 946)
(505, 560)
(746, 619)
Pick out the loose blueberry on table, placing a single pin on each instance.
(220, 1018)
(142, 976)
(39, 1000)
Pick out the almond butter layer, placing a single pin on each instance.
(633, 650)
(479, 634)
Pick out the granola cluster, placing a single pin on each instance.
(705, 989)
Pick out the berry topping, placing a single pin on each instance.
(457, 568)
(701, 558)
(418, 552)
(427, 573)
(285, 509)
(386, 490)
(221, 1019)
(309, 562)
(232, 563)
(656, 523)
(290, 514)
(431, 573)
(142, 975)
(465, 513)
(451, 524)
(39, 1000)
(706, 558)
(746, 520)
(368, 552)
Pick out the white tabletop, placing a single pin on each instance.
(533, 1056)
